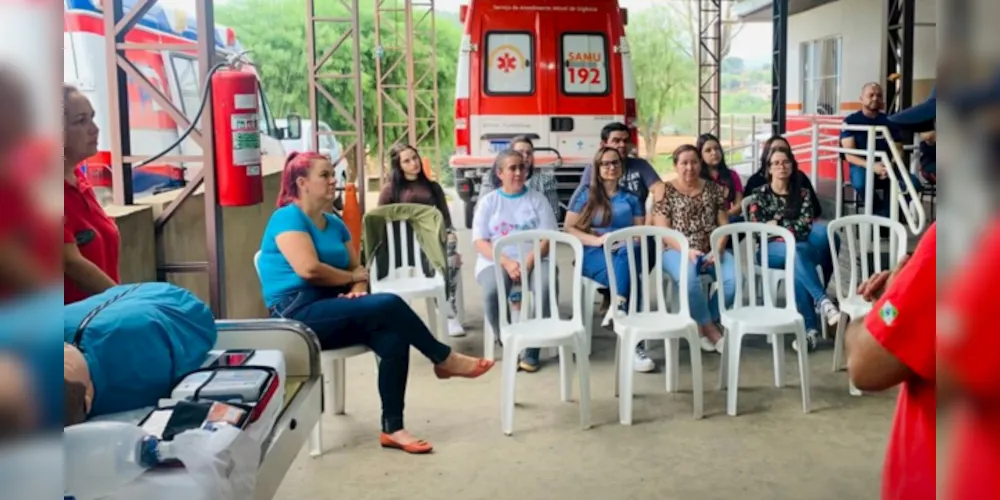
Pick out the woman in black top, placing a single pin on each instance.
(409, 184)
(819, 238)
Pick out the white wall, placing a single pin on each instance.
(861, 26)
(925, 41)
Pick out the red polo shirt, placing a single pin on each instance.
(24, 225)
(93, 232)
(903, 321)
(970, 350)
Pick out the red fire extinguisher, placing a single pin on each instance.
(235, 116)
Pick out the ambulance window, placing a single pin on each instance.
(186, 72)
(585, 64)
(508, 63)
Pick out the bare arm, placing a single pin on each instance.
(18, 270)
(723, 219)
(870, 366)
(737, 207)
(848, 143)
(569, 225)
(84, 273)
(298, 248)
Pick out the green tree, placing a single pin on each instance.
(275, 33)
(664, 75)
(733, 65)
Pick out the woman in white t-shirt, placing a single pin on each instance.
(510, 209)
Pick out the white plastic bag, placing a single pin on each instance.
(223, 463)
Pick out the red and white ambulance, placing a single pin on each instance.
(557, 71)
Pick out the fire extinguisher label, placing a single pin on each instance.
(245, 101)
(246, 141)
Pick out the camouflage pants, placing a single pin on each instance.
(454, 273)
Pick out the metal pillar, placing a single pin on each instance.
(900, 25)
(347, 27)
(395, 121)
(116, 25)
(709, 65)
(779, 65)
(425, 88)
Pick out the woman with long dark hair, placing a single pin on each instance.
(714, 168)
(309, 272)
(601, 209)
(819, 238)
(784, 201)
(409, 184)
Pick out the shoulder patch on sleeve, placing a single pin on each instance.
(888, 313)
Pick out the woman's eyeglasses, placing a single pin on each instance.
(611, 164)
(518, 167)
(781, 163)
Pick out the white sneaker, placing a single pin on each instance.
(812, 338)
(720, 345)
(707, 345)
(642, 362)
(608, 316)
(455, 328)
(829, 311)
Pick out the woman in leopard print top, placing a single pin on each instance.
(696, 207)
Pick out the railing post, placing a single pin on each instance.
(869, 171)
(815, 153)
(754, 149)
(840, 188)
(893, 209)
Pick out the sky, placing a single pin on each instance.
(753, 43)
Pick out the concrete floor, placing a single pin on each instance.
(771, 451)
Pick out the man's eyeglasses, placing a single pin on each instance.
(526, 153)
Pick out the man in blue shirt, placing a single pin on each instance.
(871, 114)
(639, 178)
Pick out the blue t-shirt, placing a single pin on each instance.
(861, 137)
(625, 207)
(639, 177)
(277, 278)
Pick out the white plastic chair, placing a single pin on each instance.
(645, 322)
(777, 276)
(860, 234)
(530, 329)
(753, 318)
(333, 367)
(406, 277)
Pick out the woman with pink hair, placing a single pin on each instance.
(309, 272)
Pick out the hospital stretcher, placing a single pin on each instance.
(293, 422)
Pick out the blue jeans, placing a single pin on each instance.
(383, 322)
(809, 290)
(880, 204)
(595, 267)
(819, 238)
(704, 309)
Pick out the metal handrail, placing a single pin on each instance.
(913, 210)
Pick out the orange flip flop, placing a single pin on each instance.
(415, 448)
(482, 366)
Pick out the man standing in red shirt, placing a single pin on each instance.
(894, 345)
(969, 368)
